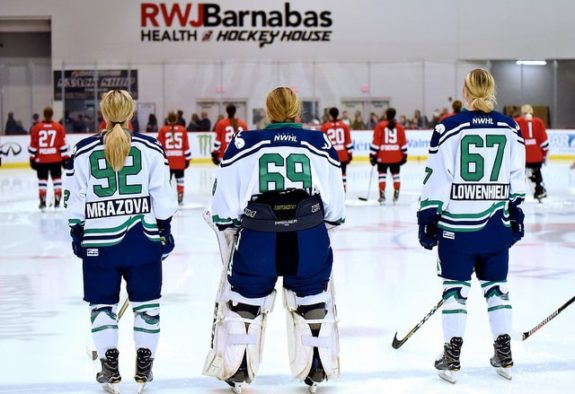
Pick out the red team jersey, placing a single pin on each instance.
(388, 145)
(535, 136)
(340, 137)
(224, 134)
(175, 141)
(48, 143)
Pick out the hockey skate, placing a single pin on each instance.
(502, 359)
(57, 202)
(540, 193)
(240, 377)
(395, 195)
(42, 205)
(448, 363)
(109, 376)
(316, 374)
(180, 199)
(144, 362)
(381, 198)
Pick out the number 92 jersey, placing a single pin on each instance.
(280, 157)
(109, 203)
(476, 167)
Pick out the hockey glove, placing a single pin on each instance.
(68, 163)
(350, 157)
(403, 160)
(427, 221)
(187, 164)
(33, 164)
(77, 233)
(166, 237)
(372, 160)
(215, 159)
(516, 216)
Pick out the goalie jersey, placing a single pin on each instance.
(283, 156)
(111, 205)
(476, 168)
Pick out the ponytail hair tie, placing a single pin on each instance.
(117, 123)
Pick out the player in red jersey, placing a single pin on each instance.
(226, 129)
(388, 150)
(536, 147)
(340, 137)
(174, 138)
(457, 106)
(48, 152)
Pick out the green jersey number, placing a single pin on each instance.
(115, 180)
(296, 168)
(473, 164)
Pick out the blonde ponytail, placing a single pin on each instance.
(117, 108)
(480, 87)
(282, 105)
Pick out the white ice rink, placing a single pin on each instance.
(385, 282)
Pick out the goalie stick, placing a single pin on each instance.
(397, 343)
(527, 334)
(366, 198)
(93, 353)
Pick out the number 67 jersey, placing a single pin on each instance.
(280, 157)
(108, 203)
(476, 167)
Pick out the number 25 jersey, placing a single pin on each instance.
(110, 203)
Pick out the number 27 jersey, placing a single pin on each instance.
(109, 203)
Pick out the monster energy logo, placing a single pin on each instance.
(205, 143)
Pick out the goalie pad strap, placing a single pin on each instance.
(316, 342)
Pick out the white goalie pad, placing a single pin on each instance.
(226, 239)
(234, 335)
(301, 341)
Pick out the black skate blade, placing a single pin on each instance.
(448, 376)
(504, 372)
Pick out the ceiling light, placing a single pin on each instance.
(531, 62)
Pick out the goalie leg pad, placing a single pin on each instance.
(238, 336)
(313, 338)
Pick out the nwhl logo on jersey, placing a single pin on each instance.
(126, 206)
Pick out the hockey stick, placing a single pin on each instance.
(397, 343)
(368, 186)
(527, 334)
(94, 354)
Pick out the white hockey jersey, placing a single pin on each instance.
(280, 157)
(476, 167)
(109, 203)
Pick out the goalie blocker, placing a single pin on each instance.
(289, 231)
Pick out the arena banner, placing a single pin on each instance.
(88, 84)
(14, 149)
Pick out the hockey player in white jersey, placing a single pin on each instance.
(119, 206)
(469, 207)
(277, 193)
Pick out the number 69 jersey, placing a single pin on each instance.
(280, 157)
(476, 167)
(110, 203)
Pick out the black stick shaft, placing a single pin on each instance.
(527, 334)
(397, 343)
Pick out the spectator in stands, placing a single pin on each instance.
(152, 126)
(345, 118)
(404, 121)
(220, 117)
(357, 123)
(11, 127)
(35, 119)
(205, 122)
(418, 121)
(456, 106)
(135, 123)
(373, 121)
(435, 118)
(194, 124)
(79, 125)
(181, 121)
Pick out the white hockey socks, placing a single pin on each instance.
(498, 306)
(104, 327)
(454, 308)
(147, 324)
